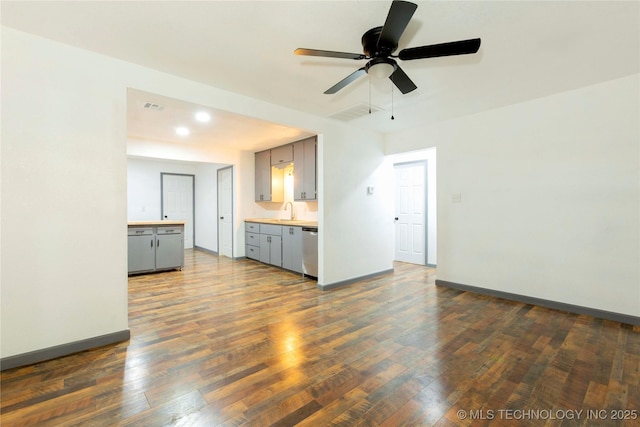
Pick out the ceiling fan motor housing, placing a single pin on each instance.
(370, 44)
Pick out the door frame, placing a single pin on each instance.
(218, 209)
(425, 163)
(193, 199)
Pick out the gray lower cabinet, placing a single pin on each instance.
(155, 248)
(279, 245)
(271, 244)
(252, 240)
(169, 248)
(141, 250)
(292, 248)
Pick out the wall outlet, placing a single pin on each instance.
(456, 198)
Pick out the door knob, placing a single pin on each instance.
(395, 219)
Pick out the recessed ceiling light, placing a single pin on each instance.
(182, 131)
(203, 116)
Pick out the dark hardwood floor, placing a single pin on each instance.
(238, 343)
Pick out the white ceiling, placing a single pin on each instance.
(529, 50)
(226, 130)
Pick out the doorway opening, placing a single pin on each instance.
(415, 207)
(225, 211)
(177, 202)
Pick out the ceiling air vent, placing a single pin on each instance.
(355, 112)
(153, 106)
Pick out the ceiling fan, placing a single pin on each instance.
(379, 43)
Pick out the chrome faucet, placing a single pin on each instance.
(293, 213)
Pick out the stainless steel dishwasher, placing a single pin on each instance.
(310, 251)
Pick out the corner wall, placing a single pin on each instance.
(64, 191)
(550, 196)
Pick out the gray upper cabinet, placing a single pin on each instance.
(270, 166)
(281, 156)
(263, 176)
(304, 169)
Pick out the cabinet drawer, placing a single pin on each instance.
(252, 252)
(252, 239)
(140, 231)
(274, 230)
(169, 230)
(253, 227)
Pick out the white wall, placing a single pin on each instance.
(144, 194)
(64, 217)
(356, 219)
(64, 168)
(550, 196)
(206, 213)
(428, 155)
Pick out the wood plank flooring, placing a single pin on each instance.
(235, 343)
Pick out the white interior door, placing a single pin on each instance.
(177, 202)
(225, 212)
(410, 220)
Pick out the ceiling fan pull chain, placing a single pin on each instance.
(392, 84)
(369, 94)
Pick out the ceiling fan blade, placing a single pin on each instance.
(402, 81)
(342, 83)
(328, 53)
(461, 47)
(399, 16)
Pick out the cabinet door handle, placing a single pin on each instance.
(158, 243)
(151, 242)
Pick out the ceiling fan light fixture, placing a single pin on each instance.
(381, 68)
(381, 71)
